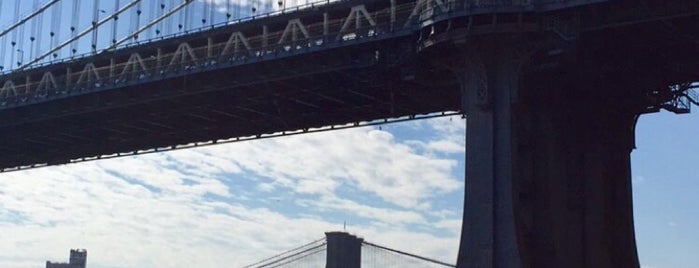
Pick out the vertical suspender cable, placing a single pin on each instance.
(204, 12)
(14, 35)
(188, 17)
(228, 10)
(2, 49)
(33, 34)
(212, 12)
(116, 21)
(181, 18)
(74, 26)
(168, 27)
(132, 22)
(162, 27)
(95, 18)
(169, 14)
(54, 35)
(39, 30)
(237, 7)
(152, 14)
(170, 23)
(28, 17)
(139, 10)
(20, 45)
(83, 33)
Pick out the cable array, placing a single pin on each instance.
(376, 256)
(308, 255)
(73, 28)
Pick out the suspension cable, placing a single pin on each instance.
(136, 21)
(408, 254)
(228, 10)
(152, 9)
(139, 11)
(295, 257)
(121, 10)
(160, 27)
(95, 17)
(54, 34)
(285, 253)
(32, 34)
(14, 35)
(2, 49)
(18, 22)
(38, 33)
(204, 12)
(167, 24)
(181, 21)
(184, 4)
(20, 45)
(115, 24)
(212, 8)
(74, 26)
(188, 18)
(237, 9)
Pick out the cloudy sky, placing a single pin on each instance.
(399, 185)
(230, 205)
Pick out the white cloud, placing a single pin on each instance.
(196, 208)
(449, 131)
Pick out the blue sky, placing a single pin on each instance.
(399, 185)
(665, 184)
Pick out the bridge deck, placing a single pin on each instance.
(340, 63)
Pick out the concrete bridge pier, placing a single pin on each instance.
(547, 167)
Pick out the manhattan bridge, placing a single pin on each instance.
(551, 90)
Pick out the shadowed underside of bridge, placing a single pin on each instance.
(224, 83)
(326, 88)
(551, 91)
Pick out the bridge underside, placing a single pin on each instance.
(334, 87)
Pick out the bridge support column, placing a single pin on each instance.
(547, 171)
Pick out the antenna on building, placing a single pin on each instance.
(344, 226)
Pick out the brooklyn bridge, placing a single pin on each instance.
(551, 90)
